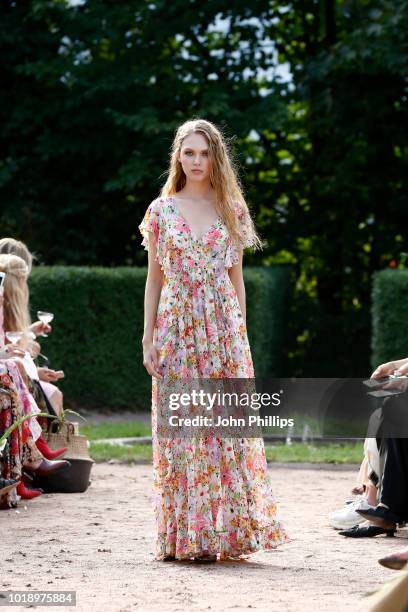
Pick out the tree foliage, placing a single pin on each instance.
(93, 97)
(92, 92)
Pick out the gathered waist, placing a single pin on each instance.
(193, 276)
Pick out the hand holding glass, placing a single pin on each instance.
(14, 336)
(45, 317)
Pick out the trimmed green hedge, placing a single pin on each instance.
(98, 328)
(389, 316)
(268, 291)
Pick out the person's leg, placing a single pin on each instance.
(370, 470)
(394, 479)
(392, 508)
(373, 459)
(371, 494)
(392, 442)
(32, 457)
(362, 476)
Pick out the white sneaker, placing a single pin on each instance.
(347, 517)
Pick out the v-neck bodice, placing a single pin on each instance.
(182, 216)
(179, 251)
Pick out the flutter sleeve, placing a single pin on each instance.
(232, 255)
(152, 222)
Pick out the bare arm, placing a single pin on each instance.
(154, 283)
(385, 369)
(237, 279)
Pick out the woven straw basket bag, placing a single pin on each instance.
(68, 436)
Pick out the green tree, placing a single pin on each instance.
(91, 99)
(336, 172)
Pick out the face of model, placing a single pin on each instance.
(194, 158)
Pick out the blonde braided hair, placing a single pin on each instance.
(16, 295)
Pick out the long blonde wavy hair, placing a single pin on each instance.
(11, 246)
(16, 295)
(223, 179)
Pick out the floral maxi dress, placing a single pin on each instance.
(212, 494)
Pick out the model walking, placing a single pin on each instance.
(213, 495)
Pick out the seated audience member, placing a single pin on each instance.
(17, 318)
(45, 377)
(14, 307)
(392, 507)
(393, 499)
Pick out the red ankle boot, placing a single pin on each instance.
(46, 451)
(26, 493)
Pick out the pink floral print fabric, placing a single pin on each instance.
(211, 494)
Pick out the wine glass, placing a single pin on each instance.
(14, 336)
(45, 317)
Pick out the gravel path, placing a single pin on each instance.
(100, 543)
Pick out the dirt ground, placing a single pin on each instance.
(100, 544)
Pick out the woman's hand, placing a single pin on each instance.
(10, 351)
(151, 359)
(402, 370)
(34, 348)
(400, 366)
(47, 375)
(39, 328)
